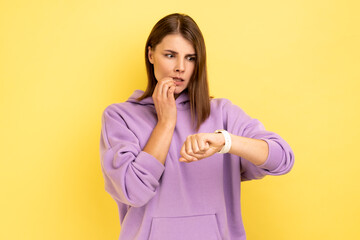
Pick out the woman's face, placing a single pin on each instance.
(174, 57)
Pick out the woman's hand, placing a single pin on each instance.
(160, 138)
(164, 101)
(200, 146)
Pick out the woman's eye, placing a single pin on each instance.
(191, 58)
(169, 55)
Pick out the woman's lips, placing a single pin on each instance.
(178, 81)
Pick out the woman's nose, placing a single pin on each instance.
(180, 66)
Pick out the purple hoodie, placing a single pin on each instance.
(181, 201)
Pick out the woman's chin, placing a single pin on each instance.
(178, 90)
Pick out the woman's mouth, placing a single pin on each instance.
(178, 81)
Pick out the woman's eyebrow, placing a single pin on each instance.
(173, 52)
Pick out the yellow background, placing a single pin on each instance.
(294, 65)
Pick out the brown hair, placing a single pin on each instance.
(197, 88)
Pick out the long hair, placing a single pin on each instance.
(198, 88)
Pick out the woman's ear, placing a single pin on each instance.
(150, 55)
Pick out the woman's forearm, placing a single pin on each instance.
(253, 150)
(159, 141)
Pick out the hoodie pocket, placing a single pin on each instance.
(203, 227)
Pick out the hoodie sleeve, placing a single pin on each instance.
(131, 175)
(280, 159)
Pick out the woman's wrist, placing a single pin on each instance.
(167, 125)
(225, 140)
(220, 139)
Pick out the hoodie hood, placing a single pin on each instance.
(182, 102)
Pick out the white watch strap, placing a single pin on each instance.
(227, 146)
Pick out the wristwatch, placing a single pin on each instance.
(227, 146)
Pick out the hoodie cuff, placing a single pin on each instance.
(151, 164)
(273, 160)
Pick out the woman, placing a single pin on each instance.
(172, 174)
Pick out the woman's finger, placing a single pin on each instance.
(164, 90)
(185, 156)
(166, 85)
(202, 142)
(194, 144)
(188, 147)
(171, 92)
